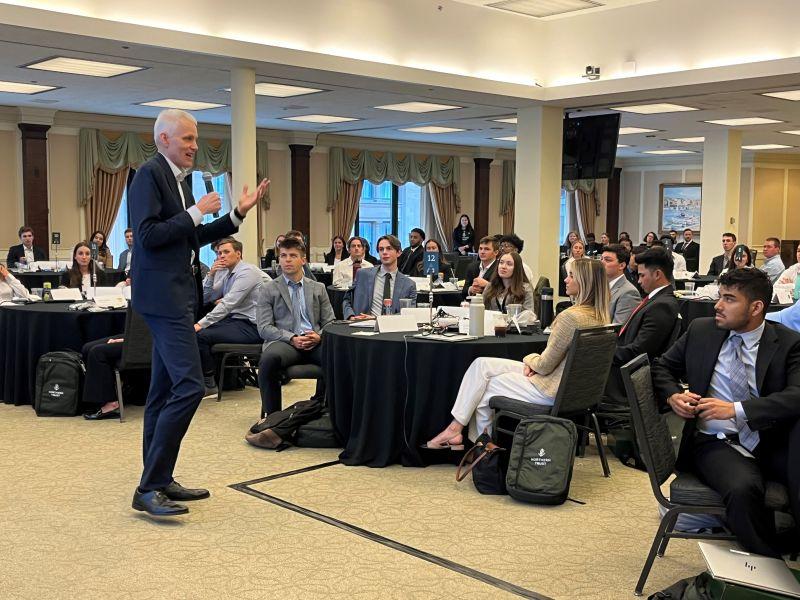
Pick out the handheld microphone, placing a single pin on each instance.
(209, 187)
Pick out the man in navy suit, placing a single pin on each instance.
(26, 250)
(378, 290)
(168, 236)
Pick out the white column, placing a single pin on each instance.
(538, 188)
(722, 173)
(243, 150)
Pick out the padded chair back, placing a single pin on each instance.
(537, 294)
(586, 370)
(462, 264)
(652, 433)
(676, 333)
(137, 349)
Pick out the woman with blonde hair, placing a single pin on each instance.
(536, 378)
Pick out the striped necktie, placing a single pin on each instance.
(740, 388)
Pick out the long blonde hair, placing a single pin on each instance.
(590, 275)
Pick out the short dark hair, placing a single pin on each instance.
(237, 245)
(657, 244)
(419, 231)
(489, 240)
(292, 243)
(590, 235)
(514, 240)
(354, 238)
(128, 230)
(294, 233)
(774, 240)
(730, 235)
(620, 251)
(753, 283)
(24, 229)
(393, 242)
(656, 258)
(688, 229)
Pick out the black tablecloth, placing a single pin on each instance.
(366, 389)
(696, 309)
(36, 279)
(443, 298)
(28, 331)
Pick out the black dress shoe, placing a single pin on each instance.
(175, 491)
(157, 504)
(100, 415)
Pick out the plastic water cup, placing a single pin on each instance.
(689, 287)
(405, 303)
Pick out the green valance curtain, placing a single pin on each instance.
(349, 167)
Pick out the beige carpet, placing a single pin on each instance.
(67, 529)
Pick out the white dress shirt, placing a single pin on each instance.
(343, 272)
(377, 293)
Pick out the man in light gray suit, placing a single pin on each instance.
(624, 295)
(378, 291)
(291, 312)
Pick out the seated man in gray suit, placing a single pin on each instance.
(378, 291)
(291, 311)
(624, 295)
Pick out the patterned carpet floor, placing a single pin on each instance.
(68, 531)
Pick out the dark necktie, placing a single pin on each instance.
(387, 291)
(635, 310)
(356, 267)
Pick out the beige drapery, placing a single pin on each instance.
(444, 201)
(105, 199)
(345, 208)
(508, 195)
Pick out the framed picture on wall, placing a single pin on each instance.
(679, 206)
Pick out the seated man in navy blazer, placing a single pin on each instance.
(413, 255)
(168, 233)
(742, 407)
(377, 291)
(291, 313)
(26, 250)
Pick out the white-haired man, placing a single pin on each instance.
(168, 234)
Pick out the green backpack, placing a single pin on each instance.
(541, 459)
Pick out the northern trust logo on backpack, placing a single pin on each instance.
(56, 392)
(541, 459)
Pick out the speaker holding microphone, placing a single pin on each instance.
(207, 177)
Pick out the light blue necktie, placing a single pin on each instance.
(297, 308)
(740, 388)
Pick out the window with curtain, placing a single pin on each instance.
(563, 227)
(222, 185)
(388, 208)
(116, 237)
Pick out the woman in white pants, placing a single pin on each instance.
(536, 378)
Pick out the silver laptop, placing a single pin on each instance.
(750, 570)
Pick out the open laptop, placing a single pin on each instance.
(750, 570)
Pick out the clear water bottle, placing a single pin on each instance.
(476, 312)
(797, 288)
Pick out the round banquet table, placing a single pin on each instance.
(691, 309)
(440, 298)
(36, 279)
(381, 420)
(680, 284)
(30, 330)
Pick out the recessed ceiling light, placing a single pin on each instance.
(744, 121)
(512, 120)
(630, 130)
(320, 119)
(652, 109)
(181, 104)
(669, 152)
(510, 138)
(77, 66)
(417, 107)
(792, 132)
(279, 90)
(689, 140)
(623, 146)
(787, 95)
(13, 87)
(432, 129)
(765, 146)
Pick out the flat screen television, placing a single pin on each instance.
(590, 146)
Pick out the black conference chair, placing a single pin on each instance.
(687, 494)
(582, 383)
(137, 352)
(235, 357)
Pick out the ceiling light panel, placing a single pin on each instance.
(280, 90)
(181, 104)
(631, 130)
(765, 146)
(665, 152)
(13, 87)
(432, 129)
(623, 146)
(743, 121)
(544, 8)
(77, 66)
(792, 132)
(787, 95)
(417, 107)
(653, 109)
(324, 119)
(512, 120)
(689, 140)
(511, 138)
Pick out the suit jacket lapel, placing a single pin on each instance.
(710, 356)
(284, 289)
(308, 294)
(396, 291)
(766, 350)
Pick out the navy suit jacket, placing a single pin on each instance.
(164, 238)
(358, 299)
(17, 252)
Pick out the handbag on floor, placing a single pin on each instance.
(59, 384)
(541, 459)
(487, 462)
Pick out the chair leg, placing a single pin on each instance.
(648, 564)
(663, 546)
(600, 448)
(118, 381)
(222, 366)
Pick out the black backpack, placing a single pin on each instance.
(541, 459)
(318, 433)
(283, 424)
(59, 384)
